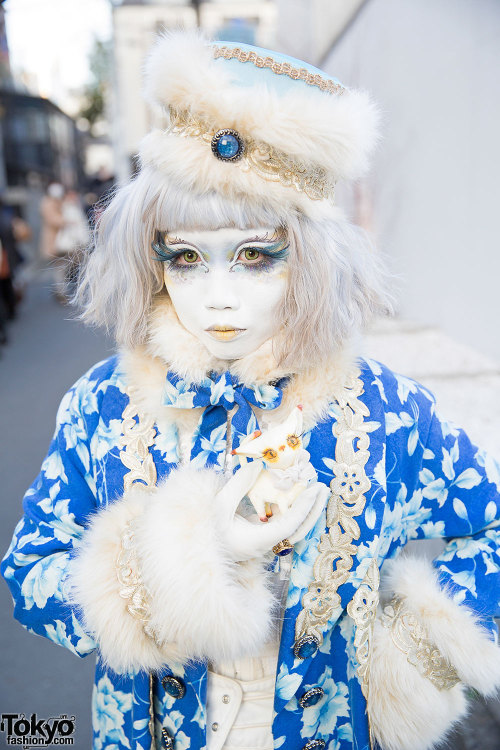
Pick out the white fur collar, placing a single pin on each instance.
(171, 347)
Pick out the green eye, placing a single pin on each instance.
(251, 253)
(189, 256)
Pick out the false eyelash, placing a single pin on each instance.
(269, 254)
(163, 254)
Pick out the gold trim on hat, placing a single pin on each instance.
(269, 163)
(283, 68)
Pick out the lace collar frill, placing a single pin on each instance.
(170, 347)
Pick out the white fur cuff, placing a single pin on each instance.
(95, 589)
(210, 607)
(407, 712)
(452, 628)
(407, 709)
(201, 605)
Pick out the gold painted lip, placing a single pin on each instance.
(224, 333)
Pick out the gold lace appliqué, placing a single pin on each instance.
(411, 638)
(363, 610)
(349, 485)
(138, 437)
(280, 68)
(132, 587)
(264, 160)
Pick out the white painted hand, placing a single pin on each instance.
(247, 538)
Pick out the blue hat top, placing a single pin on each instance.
(250, 66)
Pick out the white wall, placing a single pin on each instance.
(434, 65)
(307, 28)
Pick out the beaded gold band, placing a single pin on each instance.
(411, 638)
(259, 157)
(283, 68)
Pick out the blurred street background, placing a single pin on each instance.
(71, 118)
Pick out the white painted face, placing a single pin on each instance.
(226, 285)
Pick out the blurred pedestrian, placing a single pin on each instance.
(52, 221)
(3, 311)
(70, 242)
(12, 229)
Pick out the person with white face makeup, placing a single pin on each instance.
(236, 290)
(226, 285)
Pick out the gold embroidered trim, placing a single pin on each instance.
(264, 160)
(133, 589)
(137, 438)
(363, 610)
(411, 638)
(283, 68)
(336, 551)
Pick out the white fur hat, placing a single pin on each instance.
(253, 124)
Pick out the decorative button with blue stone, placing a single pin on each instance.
(167, 739)
(173, 686)
(314, 745)
(305, 646)
(312, 697)
(227, 145)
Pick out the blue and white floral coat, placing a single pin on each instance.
(397, 473)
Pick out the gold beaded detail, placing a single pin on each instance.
(259, 157)
(280, 68)
(411, 638)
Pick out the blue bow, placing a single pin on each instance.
(218, 394)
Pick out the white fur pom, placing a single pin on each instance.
(451, 627)
(406, 711)
(209, 606)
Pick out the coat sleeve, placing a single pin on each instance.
(56, 508)
(440, 485)
(437, 633)
(457, 493)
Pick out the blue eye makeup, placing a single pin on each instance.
(180, 257)
(253, 255)
(262, 257)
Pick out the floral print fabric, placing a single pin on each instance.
(427, 480)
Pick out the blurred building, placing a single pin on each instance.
(39, 144)
(135, 26)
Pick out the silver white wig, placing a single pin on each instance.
(336, 280)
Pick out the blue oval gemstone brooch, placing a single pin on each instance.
(227, 145)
